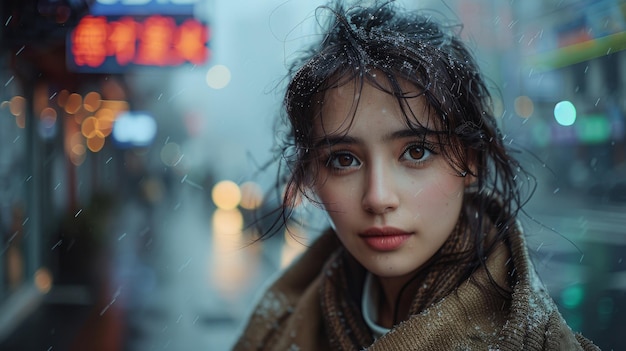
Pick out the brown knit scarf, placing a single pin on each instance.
(347, 330)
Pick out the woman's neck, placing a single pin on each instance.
(394, 296)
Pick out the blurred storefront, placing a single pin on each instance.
(75, 135)
(571, 91)
(572, 115)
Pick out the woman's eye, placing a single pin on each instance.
(343, 160)
(416, 153)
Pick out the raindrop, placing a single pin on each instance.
(78, 213)
(586, 69)
(581, 258)
(608, 51)
(20, 50)
(8, 20)
(597, 102)
(9, 81)
(185, 265)
(56, 245)
(121, 237)
(556, 190)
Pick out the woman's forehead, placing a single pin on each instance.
(343, 103)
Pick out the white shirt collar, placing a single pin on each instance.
(369, 306)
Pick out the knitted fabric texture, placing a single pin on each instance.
(436, 279)
(291, 316)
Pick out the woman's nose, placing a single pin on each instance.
(380, 195)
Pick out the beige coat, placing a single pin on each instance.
(289, 316)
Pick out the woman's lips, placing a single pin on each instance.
(384, 239)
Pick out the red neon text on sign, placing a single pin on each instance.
(189, 39)
(158, 41)
(155, 42)
(122, 39)
(89, 41)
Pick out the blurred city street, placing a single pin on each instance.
(164, 285)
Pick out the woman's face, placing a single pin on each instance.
(392, 198)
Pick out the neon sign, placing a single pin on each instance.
(103, 44)
(144, 7)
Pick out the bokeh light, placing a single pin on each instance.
(96, 142)
(17, 105)
(218, 77)
(230, 266)
(43, 280)
(92, 101)
(524, 106)
(572, 296)
(565, 113)
(73, 103)
(227, 226)
(47, 122)
(76, 148)
(62, 97)
(171, 154)
(134, 129)
(226, 195)
(294, 244)
(106, 118)
(89, 127)
(251, 195)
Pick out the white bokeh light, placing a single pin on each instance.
(218, 77)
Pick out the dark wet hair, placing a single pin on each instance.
(364, 44)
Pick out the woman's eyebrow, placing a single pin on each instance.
(420, 132)
(331, 140)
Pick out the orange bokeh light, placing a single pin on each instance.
(92, 101)
(96, 142)
(73, 103)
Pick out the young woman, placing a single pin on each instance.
(394, 139)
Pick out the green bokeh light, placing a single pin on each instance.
(572, 296)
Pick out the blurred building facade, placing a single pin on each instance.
(66, 82)
(559, 68)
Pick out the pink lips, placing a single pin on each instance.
(384, 239)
